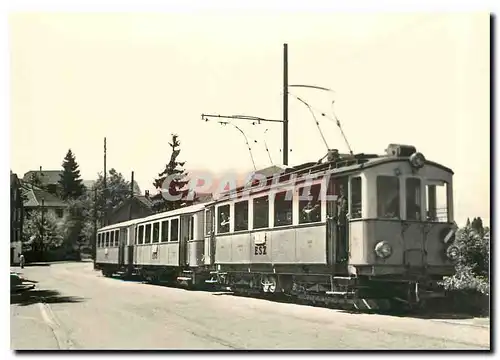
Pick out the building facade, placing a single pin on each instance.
(16, 219)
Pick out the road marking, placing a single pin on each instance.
(63, 342)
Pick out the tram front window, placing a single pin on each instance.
(388, 197)
(437, 201)
(413, 199)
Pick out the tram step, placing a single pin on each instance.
(184, 278)
(211, 281)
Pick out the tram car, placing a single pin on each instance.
(372, 231)
(165, 247)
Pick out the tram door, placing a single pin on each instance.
(183, 241)
(121, 247)
(336, 211)
(331, 230)
(130, 247)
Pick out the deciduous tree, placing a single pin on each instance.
(41, 233)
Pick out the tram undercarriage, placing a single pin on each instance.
(344, 291)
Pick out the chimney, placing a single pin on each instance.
(146, 193)
(40, 169)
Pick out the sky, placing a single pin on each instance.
(135, 78)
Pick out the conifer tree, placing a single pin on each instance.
(171, 196)
(70, 181)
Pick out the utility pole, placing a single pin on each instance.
(258, 120)
(94, 243)
(42, 230)
(285, 104)
(131, 196)
(105, 187)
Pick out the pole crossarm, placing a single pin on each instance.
(238, 117)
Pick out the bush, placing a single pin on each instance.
(472, 269)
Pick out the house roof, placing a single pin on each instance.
(35, 195)
(146, 201)
(52, 177)
(46, 176)
(140, 199)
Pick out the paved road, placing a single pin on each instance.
(76, 308)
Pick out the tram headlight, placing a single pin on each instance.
(417, 160)
(452, 252)
(383, 250)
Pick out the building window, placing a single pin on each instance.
(413, 199)
(261, 212)
(310, 204)
(156, 232)
(140, 238)
(174, 230)
(437, 201)
(356, 196)
(148, 234)
(388, 197)
(164, 231)
(223, 219)
(241, 216)
(283, 209)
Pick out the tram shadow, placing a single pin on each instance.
(166, 284)
(433, 311)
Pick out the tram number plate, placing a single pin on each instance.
(261, 249)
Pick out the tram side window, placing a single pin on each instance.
(310, 204)
(223, 219)
(191, 228)
(174, 230)
(140, 235)
(283, 206)
(356, 196)
(147, 240)
(164, 231)
(437, 202)
(388, 197)
(107, 239)
(261, 212)
(208, 222)
(98, 240)
(112, 239)
(413, 199)
(241, 216)
(117, 238)
(156, 232)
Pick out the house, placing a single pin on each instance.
(16, 218)
(47, 179)
(36, 198)
(140, 206)
(134, 207)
